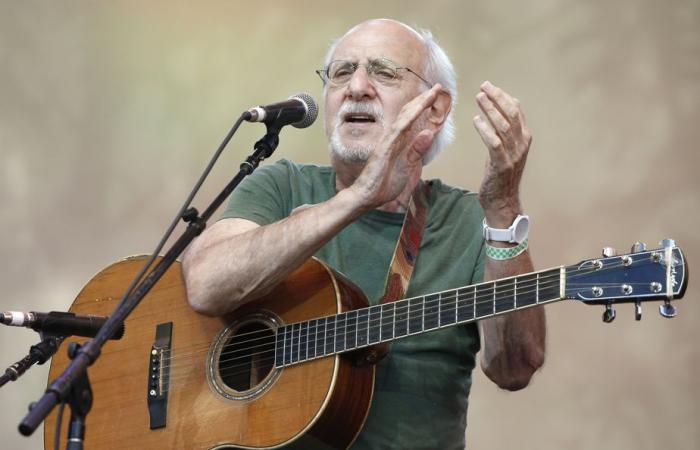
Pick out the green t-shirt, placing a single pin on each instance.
(422, 385)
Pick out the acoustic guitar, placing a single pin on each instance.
(292, 369)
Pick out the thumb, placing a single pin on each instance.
(420, 145)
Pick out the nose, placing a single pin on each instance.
(360, 86)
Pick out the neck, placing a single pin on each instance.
(390, 321)
(346, 172)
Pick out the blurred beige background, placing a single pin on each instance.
(110, 110)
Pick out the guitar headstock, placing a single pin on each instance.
(636, 277)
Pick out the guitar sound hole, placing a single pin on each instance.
(247, 357)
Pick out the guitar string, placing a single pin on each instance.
(404, 303)
(571, 274)
(374, 324)
(522, 284)
(402, 307)
(377, 325)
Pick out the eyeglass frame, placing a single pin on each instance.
(325, 78)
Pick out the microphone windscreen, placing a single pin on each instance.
(311, 110)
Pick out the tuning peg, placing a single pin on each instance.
(668, 243)
(638, 247)
(667, 310)
(609, 251)
(638, 310)
(609, 313)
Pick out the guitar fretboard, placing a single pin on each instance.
(298, 342)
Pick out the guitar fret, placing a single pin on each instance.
(368, 325)
(401, 318)
(311, 340)
(381, 320)
(465, 304)
(387, 326)
(351, 330)
(503, 295)
(415, 319)
(279, 347)
(550, 285)
(528, 290)
(330, 335)
(339, 335)
(322, 338)
(537, 289)
(362, 327)
(456, 304)
(295, 342)
(288, 345)
(304, 342)
(374, 324)
(484, 304)
(431, 310)
(448, 308)
(494, 298)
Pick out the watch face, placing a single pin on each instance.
(522, 226)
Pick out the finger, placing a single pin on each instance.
(420, 146)
(506, 104)
(413, 109)
(499, 123)
(493, 142)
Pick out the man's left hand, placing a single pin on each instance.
(508, 139)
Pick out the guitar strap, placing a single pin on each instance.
(407, 246)
(403, 261)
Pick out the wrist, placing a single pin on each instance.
(502, 217)
(355, 200)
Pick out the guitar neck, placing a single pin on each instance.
(364, 327)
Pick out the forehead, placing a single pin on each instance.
(386, 39)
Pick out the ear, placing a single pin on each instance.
(440, 109)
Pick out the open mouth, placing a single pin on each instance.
(359, 118)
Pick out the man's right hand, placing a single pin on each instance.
(394, 167)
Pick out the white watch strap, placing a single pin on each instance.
(497, 234)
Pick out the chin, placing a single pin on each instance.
(350, 152)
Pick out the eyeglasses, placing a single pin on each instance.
(381, 70)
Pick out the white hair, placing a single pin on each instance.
(438, 69)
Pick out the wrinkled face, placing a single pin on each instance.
(357, 113)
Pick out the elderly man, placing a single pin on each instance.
(388, 93)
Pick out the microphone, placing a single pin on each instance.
(61, 323)
(299, 110)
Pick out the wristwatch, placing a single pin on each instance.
(517, 232)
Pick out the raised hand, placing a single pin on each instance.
(396, 161)
(508, 139)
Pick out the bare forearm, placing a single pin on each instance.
(513, 344)
(224, 270)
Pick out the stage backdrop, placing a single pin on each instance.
(110, 110)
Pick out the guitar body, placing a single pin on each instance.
(211, 394)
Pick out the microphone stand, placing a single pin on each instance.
(38, 353)
(76, 373)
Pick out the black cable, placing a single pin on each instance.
(184, 207)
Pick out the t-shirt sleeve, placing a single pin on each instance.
(263, 197)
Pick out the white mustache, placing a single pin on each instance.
(352, 107)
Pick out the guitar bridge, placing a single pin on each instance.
(159, 376)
